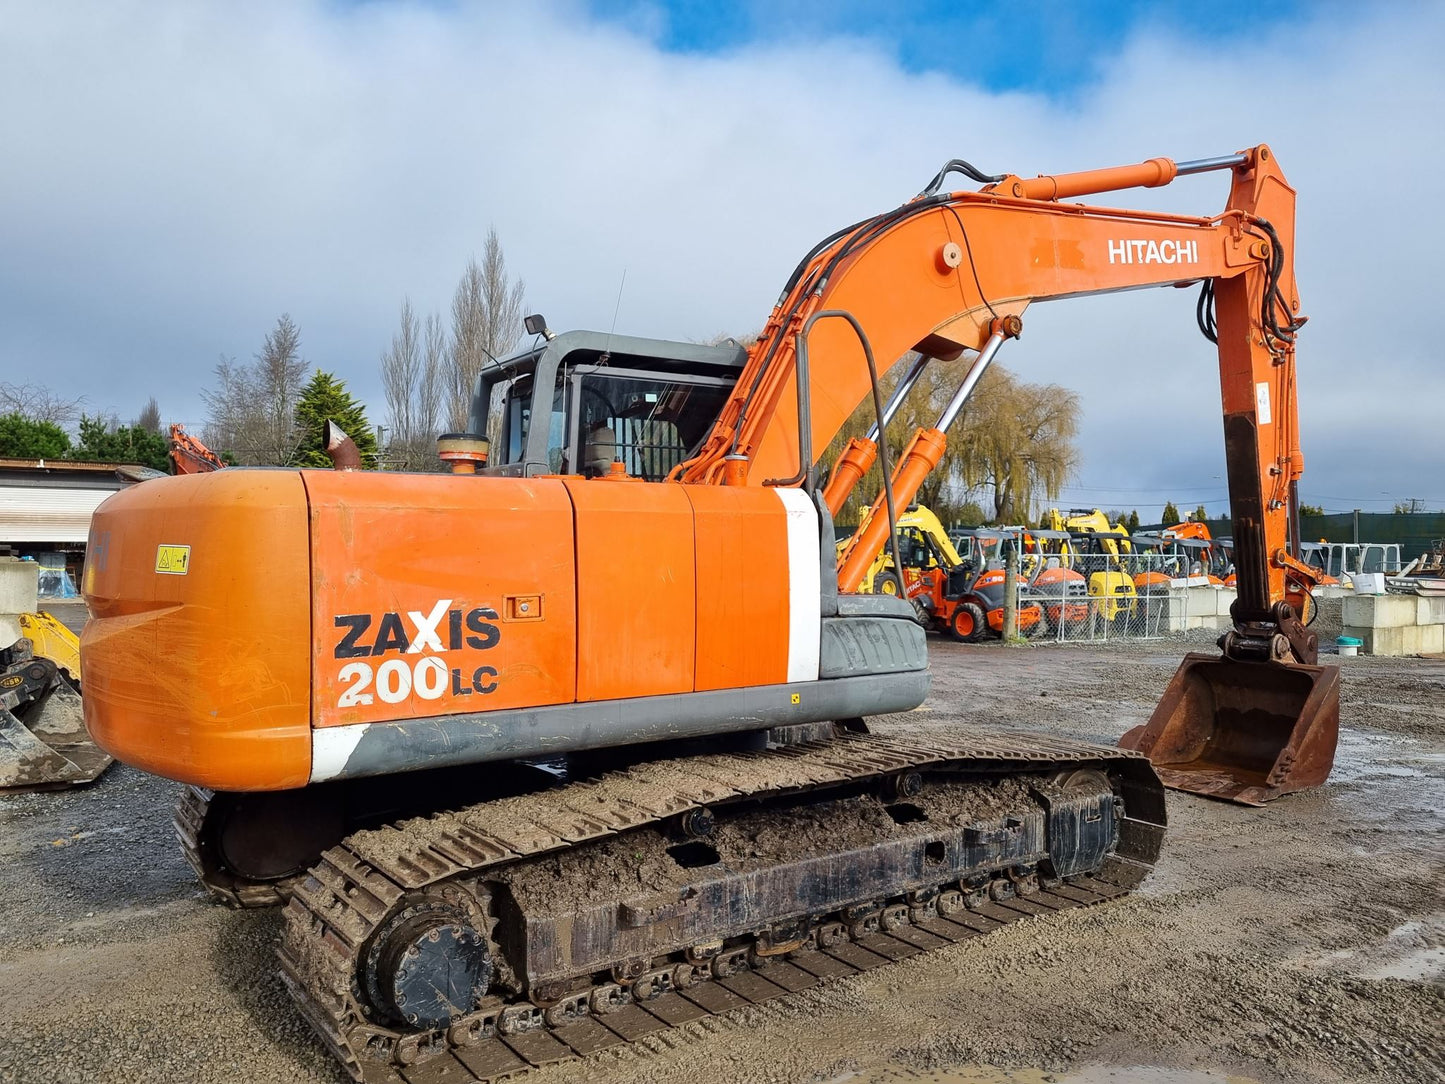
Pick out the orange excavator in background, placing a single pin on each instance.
(189, 455)
(1211, 554)
(632, 698)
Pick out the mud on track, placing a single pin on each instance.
(1301, 942)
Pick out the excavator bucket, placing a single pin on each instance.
(1243, 731)
(43, 741)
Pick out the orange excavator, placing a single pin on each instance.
(631, 699)
(189, 455)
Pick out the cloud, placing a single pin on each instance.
(177, 176)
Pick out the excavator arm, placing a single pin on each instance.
(949, 273)
(189, 455)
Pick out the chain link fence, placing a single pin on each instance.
(1096, 597)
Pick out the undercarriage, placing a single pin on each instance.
(473, 943)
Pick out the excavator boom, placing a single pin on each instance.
(953, 272)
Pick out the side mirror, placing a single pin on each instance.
(536, 324)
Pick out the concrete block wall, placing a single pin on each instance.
(18, 595)
(1199, 608)
(1395, 624)
(1208, 607)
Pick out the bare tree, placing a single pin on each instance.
(486, 323)
(280, 370)
(38, 403)
(229, 407)
(415, 379)
(150, 416)
(251, 411)
(432, 391)
(502, 298)
(400, 382)
(469, 317)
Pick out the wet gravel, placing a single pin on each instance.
(1301, 942)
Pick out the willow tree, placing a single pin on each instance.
(1016, 440)
(1012, 445)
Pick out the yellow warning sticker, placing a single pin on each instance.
(797, 698)
(173, 560)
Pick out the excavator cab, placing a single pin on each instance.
(606, 399)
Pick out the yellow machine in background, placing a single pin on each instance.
(1098, 550)
(50, 639)
(881, 577)
(43, 741)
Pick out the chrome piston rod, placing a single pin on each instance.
(900, 393)
(1205, 165)
(975, 373)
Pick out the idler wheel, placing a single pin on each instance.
(427, 967)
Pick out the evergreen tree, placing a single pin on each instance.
(1200, 514)
(109, 443)
(1132, 523)
(23, 437)
(1171, 514)
(323, 399)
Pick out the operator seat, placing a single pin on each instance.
(599, 450)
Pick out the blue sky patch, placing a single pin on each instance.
(1052, 48)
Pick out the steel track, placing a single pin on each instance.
(198, 845)
(354, 889)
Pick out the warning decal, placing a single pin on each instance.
(173, 560)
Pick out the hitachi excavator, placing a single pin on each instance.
(630, 688)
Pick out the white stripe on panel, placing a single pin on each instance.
(804, 584)
(331, 748)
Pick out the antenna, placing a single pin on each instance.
(607, 350)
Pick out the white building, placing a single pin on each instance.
(46, 505)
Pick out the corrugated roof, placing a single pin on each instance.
(64, 466)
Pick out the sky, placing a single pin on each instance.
(173, 176)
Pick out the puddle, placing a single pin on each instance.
(1363, 756)
(1088, 1074)
(1421, 965)
(1411, 951)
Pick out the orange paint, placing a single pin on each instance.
(742, 587)
(856, 460)
(919, 459)
(201, 676)
(636, 589)
(403, 544)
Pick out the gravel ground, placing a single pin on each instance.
(1300, 942)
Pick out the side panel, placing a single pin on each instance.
(434, 594)
(636, 589)
(742, 586)
(193, 660)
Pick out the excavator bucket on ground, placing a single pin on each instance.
(43, 741)
(1243, 731)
